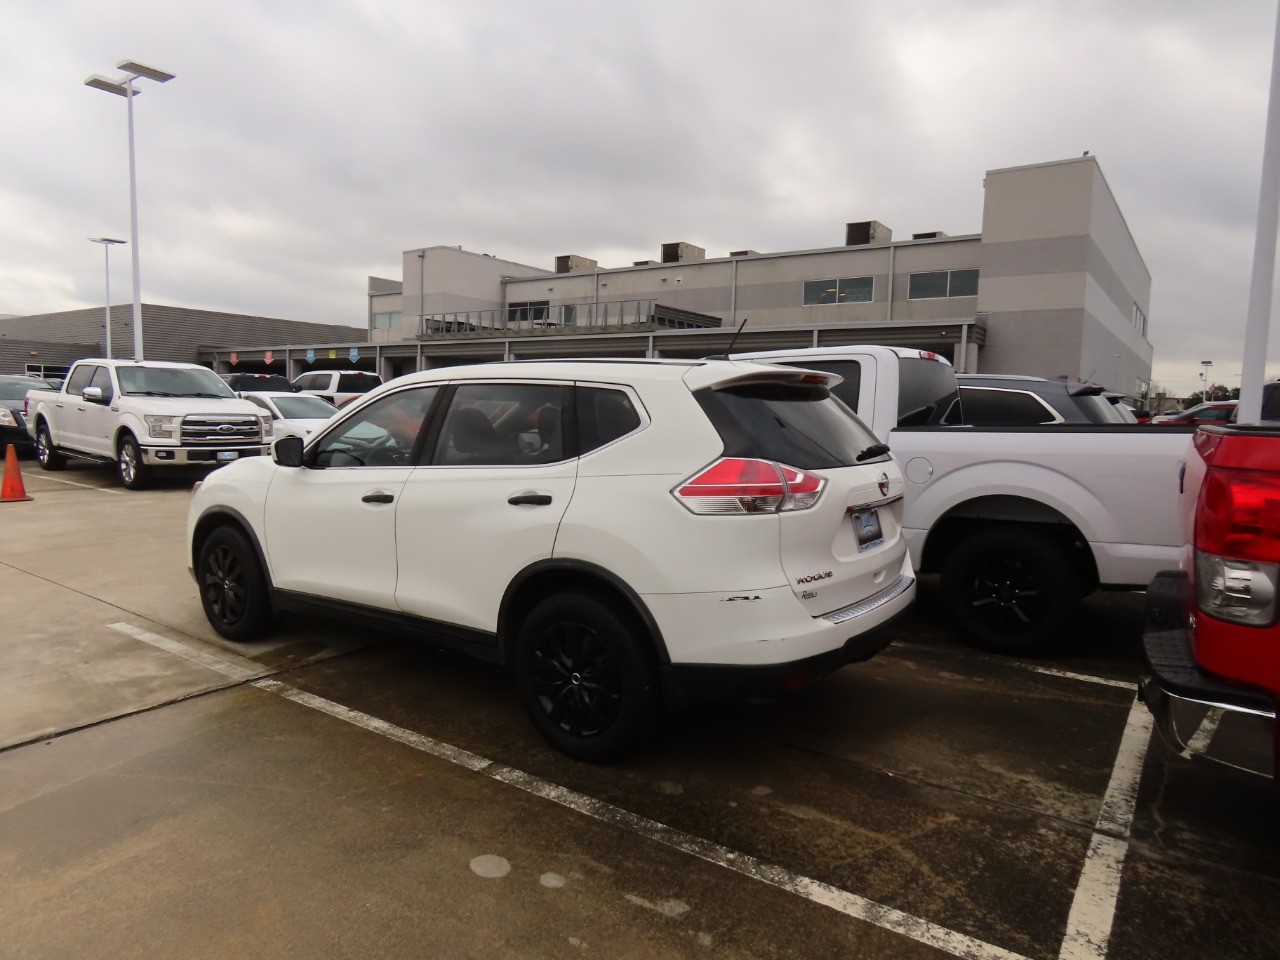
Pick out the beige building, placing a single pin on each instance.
(1054, 285)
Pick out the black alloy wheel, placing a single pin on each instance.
(233, 589)
(1011, 590)
(588, 684)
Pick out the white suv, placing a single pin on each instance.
(623, 535)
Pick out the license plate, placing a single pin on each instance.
(866, 525)
(228, 454)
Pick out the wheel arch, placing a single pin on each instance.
(224, 516)
(546, 577)
(1001, 510)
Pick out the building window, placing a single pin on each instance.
(532, 312)
(843, 290)
(942, 283)
(386, 321)
(1139, 319)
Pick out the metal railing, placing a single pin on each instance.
(577, 317)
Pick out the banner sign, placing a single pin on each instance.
(235, 358)
(354, 355)
(311, 356)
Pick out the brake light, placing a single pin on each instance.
(1238, 545)
(739, 485)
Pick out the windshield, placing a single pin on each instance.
(304, 407)
(17, 389)
(172, 382)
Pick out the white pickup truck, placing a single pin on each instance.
(1021, 522)
(144, 415)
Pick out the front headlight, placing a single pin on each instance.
(6, 418)
(163, 427)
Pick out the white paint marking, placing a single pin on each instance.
(552, 881)
(1199, 742)
(1093, 909)
(490, 867)
(668, 908)
(1087, 678)
(87, 486)
(901, 651)
(229, 665)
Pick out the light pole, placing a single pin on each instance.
(1204, 379)
(107, 243)
(124, 88)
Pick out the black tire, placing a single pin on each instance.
(233, 587)
(133, 473)
(588, 682)
(1011, 590)
(50, 459)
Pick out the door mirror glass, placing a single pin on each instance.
(287, 451)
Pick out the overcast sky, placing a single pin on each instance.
(304, 145)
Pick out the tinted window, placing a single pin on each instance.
(80, 379)
(358, 382)
(800, 426)
(964, 283)
(604, 415)
(102, 380)
(503, 425)
(1271, 401)
(927, 286)
(926, 391)
(1098, 409)
(307, 381)
(847, 389)
(383, 434)
(989, 407)
(1213, 415)
(258, 381)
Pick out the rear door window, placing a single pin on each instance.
(994, 407)
(80, 379)
(927, 390)
(504, 425)
(358, 382)
(604, 415)
(799, 425)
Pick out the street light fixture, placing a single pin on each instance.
(1204, 380)
(107, 243)
(123, 87)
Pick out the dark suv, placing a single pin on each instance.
(995, 400)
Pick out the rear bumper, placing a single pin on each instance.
(199, 456)
(1173, 684)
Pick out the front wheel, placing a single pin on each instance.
(233, 587)
(50, 459)
(589, 685)
(133, 473)
(1011, 590)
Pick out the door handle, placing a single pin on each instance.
(530, 499)
(377, 498)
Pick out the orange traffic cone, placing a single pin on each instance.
(12, 488)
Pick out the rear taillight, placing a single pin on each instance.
(1238, 545)
(738, 485)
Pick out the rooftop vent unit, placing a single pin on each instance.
(682, 253)
(743, 253)
(928, 235)
(866, 232)
(643, 263)
(572, 263)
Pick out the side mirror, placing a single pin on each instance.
(287, 451)
(92, 395)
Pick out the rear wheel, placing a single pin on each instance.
(133, 473)
(1011, 590)
(233, 588)
(50, 459)
(589, 685)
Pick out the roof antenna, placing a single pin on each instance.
(729, 349)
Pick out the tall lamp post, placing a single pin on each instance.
(107, 243)
(123, 87)
(1204, 380)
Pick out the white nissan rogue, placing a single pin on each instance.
(624, 535)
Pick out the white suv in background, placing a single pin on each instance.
(339, 387)
(623, 535)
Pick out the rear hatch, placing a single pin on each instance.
(844, 544)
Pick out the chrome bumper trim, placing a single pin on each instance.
(873, 602)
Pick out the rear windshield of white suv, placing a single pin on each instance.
(801, 426)
(358, 382)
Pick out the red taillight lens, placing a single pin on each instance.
(1238, 514)
(739, 485)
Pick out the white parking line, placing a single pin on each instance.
(850, 904)
(87, 486)
(1093, 909)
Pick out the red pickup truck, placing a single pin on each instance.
(1212, 637)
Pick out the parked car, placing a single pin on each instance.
(339, 387)
(998, 400)
(1215, 411)
(622, 535)
(292, 414)
(13, 425)
(242, 382)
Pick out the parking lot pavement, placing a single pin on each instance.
(328, 794)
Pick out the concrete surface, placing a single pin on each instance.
(164, 793)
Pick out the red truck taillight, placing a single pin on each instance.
(1238, 545)
(741, 485)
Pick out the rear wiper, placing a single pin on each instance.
(873, 451)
